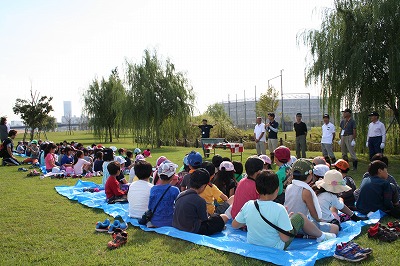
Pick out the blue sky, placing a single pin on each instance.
(224, 47)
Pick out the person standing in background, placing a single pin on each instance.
(376, 135)
(348, 136)
(259, 136)
(301, 132)
(272, 128)
(4, 128)
(328, 136)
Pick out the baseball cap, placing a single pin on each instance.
(325, 116)
(282, 153)
(320, 169)
(302, 167)
(341, 164)
(373, 114)
(160, 160)
(147, 153)
(347, 110)
(167, 168)
(319, 160)
(265, 159)
(140, 157)
(137, 151)
(34, 142)
(227, 165)
(195, 159)
(113, 148)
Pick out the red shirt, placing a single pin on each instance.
(245, 191)
(112, 188)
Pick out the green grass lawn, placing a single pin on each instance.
(41, 227)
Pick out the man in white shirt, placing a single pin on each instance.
(259, 136)
(376, 135)
(328, 136)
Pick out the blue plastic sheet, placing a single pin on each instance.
(300, 251)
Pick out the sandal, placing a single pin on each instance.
(381, 233)
(395, 225)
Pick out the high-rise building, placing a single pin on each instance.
(67, 109)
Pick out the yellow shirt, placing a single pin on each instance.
(209, 195)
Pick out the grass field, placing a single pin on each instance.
(40, 227)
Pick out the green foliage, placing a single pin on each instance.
(267, 103)
(34, 112)
(355, 56)
(160, 99)
(104, 105)
(224, 128)
(49, 124)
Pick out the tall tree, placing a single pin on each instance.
(104, 105)
(224, 125)
(159, 96)
(355, 55)
(268, 102)
(34, 112)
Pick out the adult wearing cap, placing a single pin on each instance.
(328, 136)
(376, 135)
(348, 136)
(272, 129)
(301, 132)
(33, 149)
(259, 136)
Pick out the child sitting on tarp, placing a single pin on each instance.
(190, 212)
(301, 198)
(112, 188)
(268, 223)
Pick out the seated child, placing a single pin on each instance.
(164, 212)
(50, 157)
(300, 198)
(246, 188)
(112, 187)
(98, 162)
(190, 212)
(238, 170)
(194, 161)
(108, 156)
(378, 193)
(224, 179)
(327, 190)
(81, 166)
(319, 172)
(34, 151)
(67, 160)
(348, 196)
(282, 158)
(211, 193)
(267, 161)
(128, 159)
(261, 233)
(139, 191)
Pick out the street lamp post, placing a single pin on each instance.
(281, 95)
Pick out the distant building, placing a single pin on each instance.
(67, 109)
(243, 115)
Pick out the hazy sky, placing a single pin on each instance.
(224, 47)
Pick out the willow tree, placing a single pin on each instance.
(159, 95)
(104, 105)
(355, 56)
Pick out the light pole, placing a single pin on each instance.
(281, 95)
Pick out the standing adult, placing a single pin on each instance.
(376, 135)
(4, 128)
(301, 132)
(8, 147)
(272, 128)
(259, 136)
(328, 136)
(348, 136)
(205, 129)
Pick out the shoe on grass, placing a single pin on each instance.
(358, 248)
(120, 239)
(348, 253)
(103, 226)
(116, 224)
(381, 233)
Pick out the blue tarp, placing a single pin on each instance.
(300, 252)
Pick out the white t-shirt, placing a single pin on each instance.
(78, 167)
(138, 198)
(258, 231)
(131, 174)
(106, 174)
(327, 133)
(258, 129)
(326, 201)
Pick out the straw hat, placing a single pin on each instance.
(333, 182)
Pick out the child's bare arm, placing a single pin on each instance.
(223, 197)
(284, 237)
(236, 224)
(308, 200)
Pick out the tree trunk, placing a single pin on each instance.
(110, 132)
(32, 133)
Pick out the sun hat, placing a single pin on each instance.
(160, 160)
(333, 182)
(342, 164)
(302, 167)
(113, 148)
(265, 159)
(282, 153)
(167, 168)
(195, 159)
(228, 166)
(320, 169)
